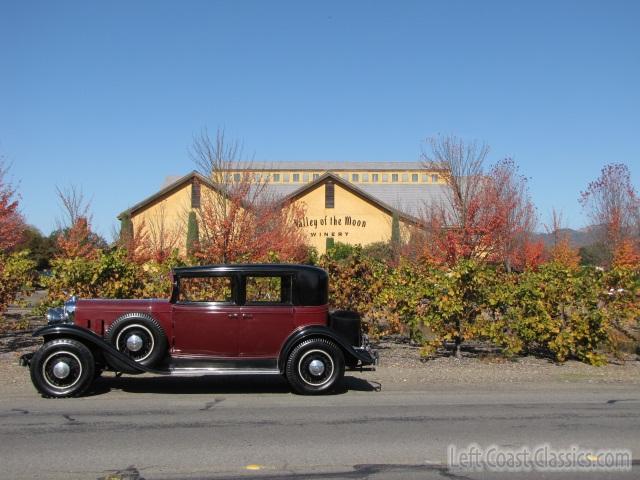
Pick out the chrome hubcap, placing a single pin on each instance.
(316, 367)
(61, 370)
(135, 340)
(134, 343)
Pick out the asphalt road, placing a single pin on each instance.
(164, 428)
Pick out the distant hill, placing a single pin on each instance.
(578, 238)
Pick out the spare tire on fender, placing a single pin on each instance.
(140, 337)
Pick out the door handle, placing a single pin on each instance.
(232, 315)
(247, 315)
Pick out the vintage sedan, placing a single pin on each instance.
(220, 320)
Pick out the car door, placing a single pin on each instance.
(267, 315)
(206, 316)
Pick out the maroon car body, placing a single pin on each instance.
(257, 331)
(226, 319)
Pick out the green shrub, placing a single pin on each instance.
(379, 251)
(555, 311)
(620, 302)
(17, 274)
(337, 251)
(355, 283)
(156, 281)
(109, 275)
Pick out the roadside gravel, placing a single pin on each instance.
(401, 364)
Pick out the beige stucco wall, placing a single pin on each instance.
(168, 214)
(353, 219)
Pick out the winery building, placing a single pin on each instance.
(349, 202)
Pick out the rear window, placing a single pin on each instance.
(206, 289)
(268, 290)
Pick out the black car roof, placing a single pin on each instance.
(249, 267)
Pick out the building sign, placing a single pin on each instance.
(331, 225)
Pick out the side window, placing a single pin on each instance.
(329, 195)
(271, 290)
(206, 289)
(195, 194)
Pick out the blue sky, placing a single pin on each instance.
(108, 95)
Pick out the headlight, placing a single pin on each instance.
(56, 315)
(63, 314)
(70, 309)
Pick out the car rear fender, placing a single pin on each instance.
(116, 360)
(320, 331)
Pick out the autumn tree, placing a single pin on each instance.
(532, 254)
(485, 216)
(75, 239)
(241, 220)
(561, 250)
(133, 239)
(613, 206)
(12, 223)
(16, 269)
(481, 217)
(627, 254)
(512, 216)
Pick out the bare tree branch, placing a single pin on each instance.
(73, 205)
(486, 216)
(244, 220)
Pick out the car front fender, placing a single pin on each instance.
(115, 359)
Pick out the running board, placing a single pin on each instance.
(197, 371)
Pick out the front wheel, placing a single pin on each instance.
(62, 368)
(315, 366)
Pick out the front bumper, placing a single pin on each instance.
(368, 356)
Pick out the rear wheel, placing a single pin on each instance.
(62, 368)
(139, 337)
(315, 366)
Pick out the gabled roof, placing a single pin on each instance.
(170, 188)
(351, 188)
